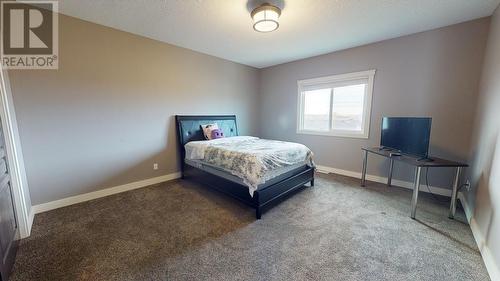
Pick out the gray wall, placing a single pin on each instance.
(106, 115)
(434, 73)
(484, 199)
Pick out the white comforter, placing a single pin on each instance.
(249, 158)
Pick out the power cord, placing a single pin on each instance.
(429, 188)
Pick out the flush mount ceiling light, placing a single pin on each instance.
(265, 18)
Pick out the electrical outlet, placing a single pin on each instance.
(467, 185)
(155, 166)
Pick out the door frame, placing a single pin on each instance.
(15, 161)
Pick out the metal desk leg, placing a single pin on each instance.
(416, 186)
(453, 204)
(389, 178)
(363, 172)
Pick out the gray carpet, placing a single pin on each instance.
(181, 231)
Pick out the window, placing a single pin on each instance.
(336, 105)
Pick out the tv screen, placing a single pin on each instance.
(409, 135)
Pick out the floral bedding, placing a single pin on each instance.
(249, 158)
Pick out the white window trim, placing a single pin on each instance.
(317, 82)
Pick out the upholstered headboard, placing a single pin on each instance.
(189, 127)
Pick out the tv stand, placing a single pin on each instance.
(418, 163)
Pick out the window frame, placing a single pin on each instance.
(335, 80)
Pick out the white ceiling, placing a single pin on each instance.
(223, 28)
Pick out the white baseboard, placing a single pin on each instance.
(489, 260)
(467, 209)
(379, 179)
(40, 208)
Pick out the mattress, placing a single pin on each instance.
(251, 160)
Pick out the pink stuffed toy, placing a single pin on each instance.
(216, 134)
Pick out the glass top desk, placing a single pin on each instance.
(418, 164)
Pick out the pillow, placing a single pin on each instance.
(216, 134)
(207, 128)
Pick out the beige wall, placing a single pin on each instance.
(484, 199)
(106, 115)
(434, 73)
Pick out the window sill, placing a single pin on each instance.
(334, 134)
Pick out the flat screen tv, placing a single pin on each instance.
(408, 135)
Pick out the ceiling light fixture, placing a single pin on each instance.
(265, 18)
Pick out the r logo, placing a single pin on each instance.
(27, 29)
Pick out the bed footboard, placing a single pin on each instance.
(263, 199)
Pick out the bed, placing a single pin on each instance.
(264, 194)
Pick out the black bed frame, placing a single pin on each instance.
(188, 129)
